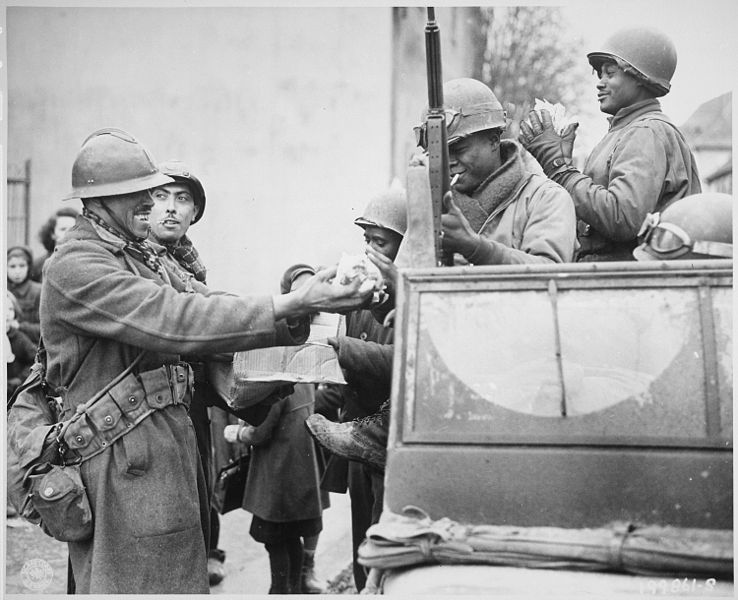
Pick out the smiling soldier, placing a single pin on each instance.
(640, 166)
(500, 212)
(110, 307)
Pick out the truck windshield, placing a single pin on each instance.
(613, 362)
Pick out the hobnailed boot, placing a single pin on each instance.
(310, 583)
(363, 440)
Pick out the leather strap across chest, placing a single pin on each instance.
(95, 426)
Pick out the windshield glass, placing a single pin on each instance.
(583, 362)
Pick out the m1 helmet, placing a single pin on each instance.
(180, 172)
(112, 162)
(697, 226)
(387, 209)
(470, 106)
(649, 51)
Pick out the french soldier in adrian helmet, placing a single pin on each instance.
(115, 315)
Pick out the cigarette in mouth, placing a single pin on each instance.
(454, 179)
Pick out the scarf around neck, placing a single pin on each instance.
(137, 248)
(185, 253)
(494, 190)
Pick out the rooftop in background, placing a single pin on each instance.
(711, 126)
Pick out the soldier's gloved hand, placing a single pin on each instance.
(550, 149)
(457, 235)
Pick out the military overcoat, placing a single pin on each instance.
(99, 308)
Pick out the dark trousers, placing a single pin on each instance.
(201, 424)
(366, 488)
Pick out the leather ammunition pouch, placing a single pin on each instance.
(95, 426)
(54, 495)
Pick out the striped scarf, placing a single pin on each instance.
(137, 248)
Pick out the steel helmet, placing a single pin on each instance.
(698, 226)
(112, 162)
(647, 50)
(387, 209)
(470, 106)
(180, 172)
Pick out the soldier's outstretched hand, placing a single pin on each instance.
(320, 294)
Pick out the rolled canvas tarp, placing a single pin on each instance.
(413, 538)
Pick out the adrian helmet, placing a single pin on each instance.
(112, 162)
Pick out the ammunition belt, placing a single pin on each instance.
(94, 428)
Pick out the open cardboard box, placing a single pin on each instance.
(254, 374)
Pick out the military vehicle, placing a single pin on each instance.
(555, 429)
(565, 428)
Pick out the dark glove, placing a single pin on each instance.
(550, 149)
(263, 433)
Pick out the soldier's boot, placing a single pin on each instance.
(363, 440)
(310, 583)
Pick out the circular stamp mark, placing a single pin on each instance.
(36, 574)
